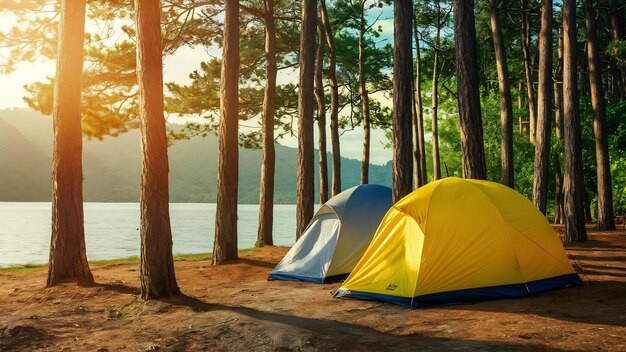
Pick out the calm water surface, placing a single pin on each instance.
(112, 229)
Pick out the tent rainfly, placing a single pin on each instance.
(336, 237)
(455, 241)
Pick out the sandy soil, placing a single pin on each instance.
(233, 308)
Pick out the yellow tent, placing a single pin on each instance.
(457, 240)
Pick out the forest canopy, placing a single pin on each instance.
(363, 58)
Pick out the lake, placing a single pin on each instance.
(112, 229)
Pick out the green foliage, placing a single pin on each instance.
(200, 99)
(109, 105)
(346, 16)
(110, 99)
(617, 50)
(616, 127)
(618, 172)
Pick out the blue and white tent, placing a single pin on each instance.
(336, 237)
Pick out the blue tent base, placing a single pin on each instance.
(470, 295)
(317, 280)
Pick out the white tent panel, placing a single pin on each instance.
(337, 236)
(310, 257)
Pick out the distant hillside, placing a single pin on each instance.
(112, 167)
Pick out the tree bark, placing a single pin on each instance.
(365, 102)
(520, 106)
(417, 173)
(558, 88)
(558, 119)
(68, 257)
(321, 114)
(544, 111)
(420, 176)
(619, 77)
(225, 245)
(606, 220)
(435, 102)
(506, 104)
(574, 215)
(584, 80)
(156, 262)
(334, 100)
(587, 207)
(268, 166)
(306, 107)
(470, 120)
(528, 70)
(402, 168)
(558, 199)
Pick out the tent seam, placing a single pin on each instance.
(421, 254)
(430, 201)
(515, 228)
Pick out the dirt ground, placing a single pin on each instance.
(233, 308)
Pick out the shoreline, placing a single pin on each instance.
(29, 268)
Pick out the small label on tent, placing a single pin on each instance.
(391, 287)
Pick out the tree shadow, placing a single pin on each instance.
(596, 302)
(595, 249)
(354, 336)
(255, 262)
(605, 272)
(248, 261)
(597, 258)
(603, 267)
(23, 338)
(119, 288)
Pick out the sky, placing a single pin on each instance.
(177, 67)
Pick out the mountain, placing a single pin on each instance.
(112, 167)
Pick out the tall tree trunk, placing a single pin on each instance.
(68, 257)
(506, 105)
(573, 181)
(420, 177)
(558, 199)
(528, 70)
(334, 100)
(268, 166)
(544, 110)
(435, 105)
(157, 265)
(225, 245)
(558, 119)
(470, 120)
(520, 106)
(606, 219)
(558, 88)
(584, 80)
(365, 102)
(402, 90)
(321, 114)
(417, 173)
(588, 216)
(306, 107)
(619, 77)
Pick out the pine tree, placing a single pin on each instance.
(156, 262)
(573, 176)
(544, 110)
(225, 245)
(402, 167)
(68, 258)
(470, 120)
(306, 105)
